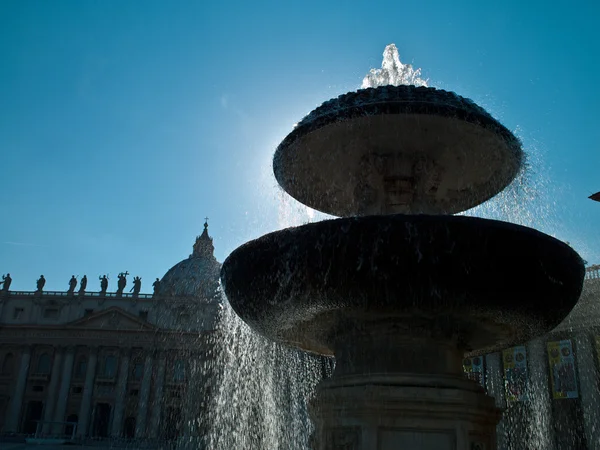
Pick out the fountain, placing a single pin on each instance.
(398, 289)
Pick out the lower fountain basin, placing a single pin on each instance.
(490, 284)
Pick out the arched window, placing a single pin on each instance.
(179, 370)
(110, 366)
(43, 365)
(8, 364)
(80, 368)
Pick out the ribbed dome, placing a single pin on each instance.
(196, 276)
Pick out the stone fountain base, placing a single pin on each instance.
(408, 417)
(402, 392)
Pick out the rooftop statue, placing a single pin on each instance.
(72, 284)
(41, 282)
(6, 280)
(137, 286)
(122, 282)
(103, 283)
(156, 286)
(83, 284)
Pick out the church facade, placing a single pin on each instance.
(81, 364)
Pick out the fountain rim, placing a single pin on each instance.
(265, 316)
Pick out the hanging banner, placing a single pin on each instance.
(562, 369)
(515, 373)
(474, 369)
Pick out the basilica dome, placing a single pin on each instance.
(196, 276)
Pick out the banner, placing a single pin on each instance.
(474, 369)
(515, 373)
(562, 369)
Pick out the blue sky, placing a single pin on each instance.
(124, 123)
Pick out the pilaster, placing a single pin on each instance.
(142, 415)
(158, 396)
(16, 403)
(117, 423)
(63, 393)
(88, 392)
(52, 389)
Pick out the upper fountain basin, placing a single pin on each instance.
(397, 149)
(492, 283)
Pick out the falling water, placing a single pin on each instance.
(260, 390)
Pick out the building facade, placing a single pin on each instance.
(104, 364)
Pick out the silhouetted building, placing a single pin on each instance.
(102, 364)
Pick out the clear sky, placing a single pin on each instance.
(124, 123)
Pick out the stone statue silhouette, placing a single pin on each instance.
(137, 286)
(41, 282)
(83, 284)
(6, 280)
(72, 284)
(103, 283)
(156, 286)
(122, 282)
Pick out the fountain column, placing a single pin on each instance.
(14, 411)
(409, 392)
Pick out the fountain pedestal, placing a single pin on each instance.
(406, 392)
(406, 417)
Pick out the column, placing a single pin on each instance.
(158, 396)
(121, 394)
(494, 382)
(140, 427)
(588, 384)
(63, 393)
(52, 390)
(14, 410)
(541, 431)
(191, 425)
(88, 392)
